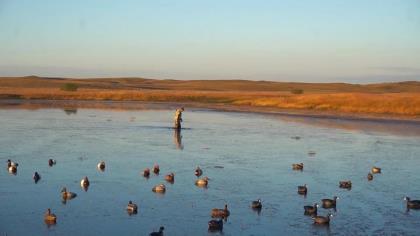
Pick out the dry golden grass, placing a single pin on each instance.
(384, 99)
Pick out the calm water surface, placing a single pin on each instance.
(255, 151)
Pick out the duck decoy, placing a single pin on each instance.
(220, 213)
(159, 233)
(329, 203)
(146, 172)
(101, 165)
(412, 204)
(170, 178)
(36, 177)
(303, 190)
(156, 169)
(298, 166)
(51, 162)
(256, 204)
(215, 225)
(160, 188)
(49, 217)
(376, 170)
(131, 208)
(67, 195)
(369, 176)
(345, 184)
(84, 183)
(198, 171)
(12, 170)
(322, 220)
(203, 182)
(11, 163)
(311, 210)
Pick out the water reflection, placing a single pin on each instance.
(70, 111)
(178, 139)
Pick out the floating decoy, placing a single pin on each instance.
(311, 210)
(156, 169)
(146, 172)
(11, 163)
(12, 169)
(51, 162)
(36, 177)
(298, 166)
(84, 182)
(49, 217)
(412, 204)
(216, 225)
(67, 195)
(131, 208)
(220, 213)
(160, 233)
(345, 184)
(160, 188)
(322, 220)
(198, 171)
(101, 165)
(170, 177)
(329, 203)
(202, 182)
(376, 170)
(256, 204)
(303, 190)
(370, 176)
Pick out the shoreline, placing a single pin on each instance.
(33, 104)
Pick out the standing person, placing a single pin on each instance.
(178, 118)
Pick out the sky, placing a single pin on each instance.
(357, 41)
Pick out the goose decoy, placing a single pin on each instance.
(36, 177)
(67, 195)
(203, 182)
(376, 170)
(156, 169)
(256, 204)
(131, 208)
(51, 162)
(170, 178)
(329, 203)
(345, 184)
(298, 166)
(49, 217)
(159, 233)
(216, 225)
(311, 210)
(303, 190)
(198, 171)
(101, 165)
(84, 182)
(322, 220)
(370, 176)
(412, 204)
(220, 213)
(146, 172)
(160, 188)
(11, 163)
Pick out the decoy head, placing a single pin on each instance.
(130, 202)
(161, 229)
(64, 189)
(406, 199)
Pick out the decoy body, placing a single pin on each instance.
(220, 213)
(311, 210)
(329, 203)
(160, 233)
(376, 170)
(156, 169)
(131, 208)
(12, 169)
(67, 195)
(302, 190)
(322, 220)
(216, 225)
(170, 177)
(51, 162)
(146, 172)
(198, 171)
(298, 166)
(160, 188)
(256, 204)
(412, 204)
(11, 163)
(50, 217)
(345, 184)
(202, 182)
(84, 182)
(36, 177)
(101, 165)
(370, 176)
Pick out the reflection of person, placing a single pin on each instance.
(178, 118)
(178, 139)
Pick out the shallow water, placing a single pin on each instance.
(255, 151)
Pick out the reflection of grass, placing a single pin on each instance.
(69, 87)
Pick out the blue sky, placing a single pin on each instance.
(357, 41)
